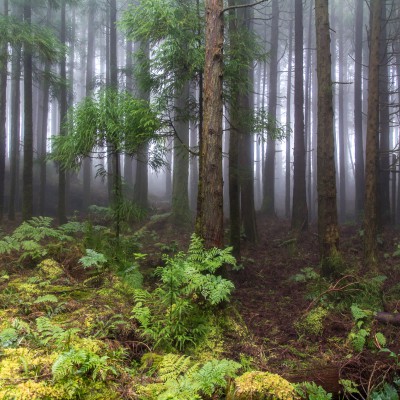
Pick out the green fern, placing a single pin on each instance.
(48, 298)
(93, 259)
(81, 363)
(184, 379)
(49, 333)
(177, 312)
(32, 239)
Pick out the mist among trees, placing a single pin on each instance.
(139, 139)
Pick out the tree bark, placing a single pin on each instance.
(358, 119)
(326, 177)
(180, 181)
(299, 210)
(27, 194)
(209, 224)
(371, 164)
(3, 114)
(269, 172)
(62, 218)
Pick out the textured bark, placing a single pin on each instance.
(358, 119)
(3, 100)
(87, 162)
(371, 161)
(14, 129)
(269, 172)
(341, 115)
(27, 177)
(384, 118)
(63, 113)
(288, 122)
(326, 176)
(210, 212)
(299, 210)
(180, 195)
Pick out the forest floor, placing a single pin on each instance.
(287, 319)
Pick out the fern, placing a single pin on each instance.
(183, 379)
(48, 298)
(176, 313)
(93, 259)
(81, 363)
(28, 240)
(48, 333)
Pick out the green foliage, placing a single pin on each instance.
(49, 334)
(312, 391)
(312, 323)
(306, 274)
(81, 362)
(33, 239)
(386, 392)
(38, 39)
(182, 379)
(259, 385)
(176, 312)
(93, 259)
(110, 118)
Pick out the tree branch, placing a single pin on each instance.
(243, 5)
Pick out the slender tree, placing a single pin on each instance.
(299, 206)
(326, 178)
(372, 145)
(358, 122)
(3, 100)
(27, 193)
(269, 169)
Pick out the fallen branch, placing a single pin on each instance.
(388, 318)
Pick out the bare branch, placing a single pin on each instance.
(243, 5)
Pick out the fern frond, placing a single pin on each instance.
(173, 366)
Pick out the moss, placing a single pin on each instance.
(257, 385)
(312, 323)
(50, 269)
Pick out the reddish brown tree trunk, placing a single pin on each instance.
(210, 213)
(326, 175)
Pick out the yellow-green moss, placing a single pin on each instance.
(257, 385)
(50, 269)
(312, 323)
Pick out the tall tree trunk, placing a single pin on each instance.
(246, 144)
(90, 68)
(269, 172)
(299, 210)
(384, 118)
(27, 194)
(14, 128)
(326, 177)
(180, 195)
(358, 119)
(371, 162)
(210, 212)
(141, 190)
(288, 121)
(63, 113)
(3, 100)
(341, 111)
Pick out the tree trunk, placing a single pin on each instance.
(299, 211)
(384, 174)
(180, 196)
(210, 212)
(371, 164)
(288, 122)
(269, 171)
(14, 128)
(358, 119)
(90, 68)
(326, 177)
(27, 194)
(341, 111)
(3, 100)
(63, 113)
